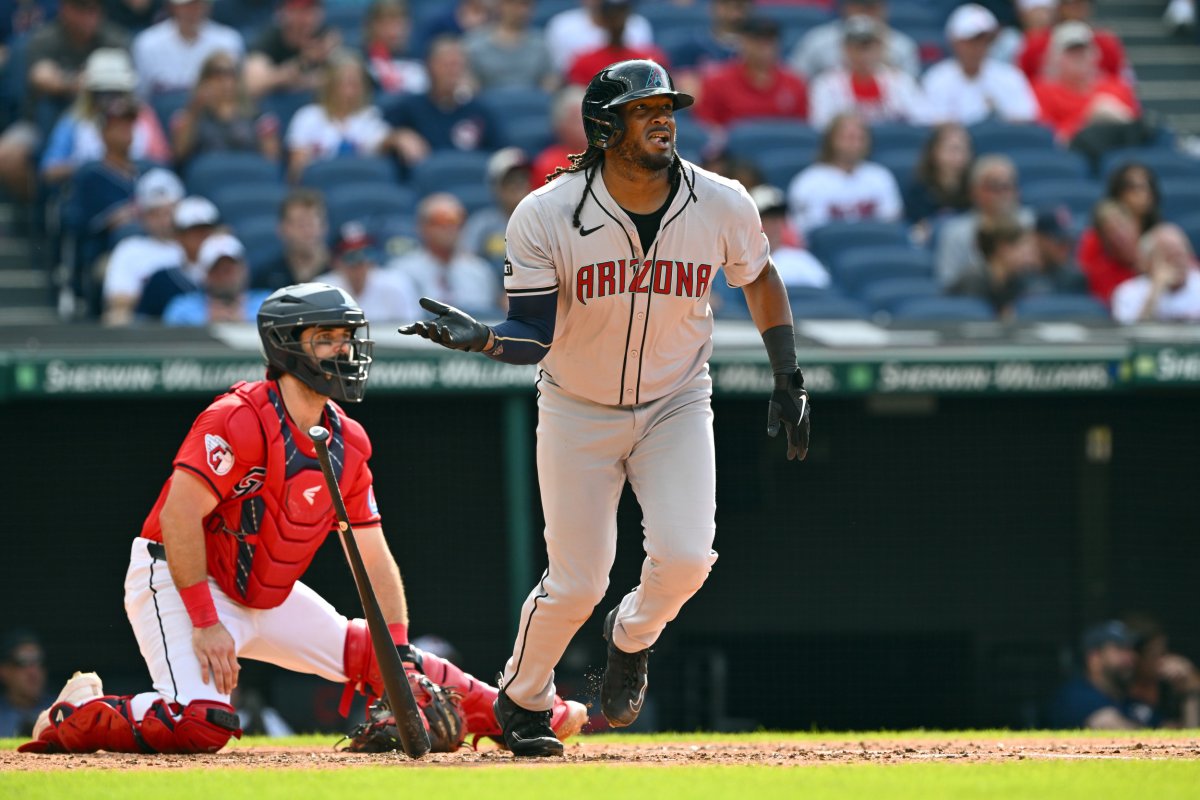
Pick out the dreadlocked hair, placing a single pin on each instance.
(591, 157)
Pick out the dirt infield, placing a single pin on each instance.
(783, 753)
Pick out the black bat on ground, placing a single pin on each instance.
(412, 731)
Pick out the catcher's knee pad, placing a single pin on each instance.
(203, 726)
(105, 723)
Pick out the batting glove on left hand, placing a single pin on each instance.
(451, 328)
(789, 405)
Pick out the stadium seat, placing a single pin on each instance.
(1180, 197)
(284, 106)
(1060, 307)
(1043, 165)
(545, 9)
(519, 100)
(1163, 161)
(897, 135)
(1080, 196)
(665, 17)
(779, 166)
(211, 172)
(1191, 226)
(472, 196)
(856, 267)
(125, 231)
(901, 162)
(244, 200)
(831, 307)
(748, 137)
(263, 248)
(348, 19)
(446, 168)
(931, 43)
(913, 16)
(254, 227)
(792, 17)
(827, 241)
(324, 175)
(885, 294)
(691, 139)
(1005, 137)
(943, 309)
(529, 131)
(165, 104)
(366, 202)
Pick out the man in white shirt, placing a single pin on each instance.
(795, 265)
(385, 295)
(442, 268)
(971, 86)
(1168, 288)
(821, 48)
(168, 55)
(578, 30)
(135, 258)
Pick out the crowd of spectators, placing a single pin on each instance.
(886, 113)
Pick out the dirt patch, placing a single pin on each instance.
(782, 753)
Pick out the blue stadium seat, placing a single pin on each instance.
(779, 166)
(943, 309)
(529, 131)
(446, 168)
(915, 16)
(125, 231)
(1191, 226)
(728, 302)
(211, 172)
(1163, 161)
(831, 307)
(748, 137)
(518, 100)
(257, 226)
(931, 43)
(1078, 195)
(367, 202)
(901, 162)
(473, 196)
(861, 265)
(691, 139)
(245, 200)
(897, 135)
(324, 175)
(263, 248)
(664, 17)
(1060, 307)
(348, 19)
(165, 104)
(1044, 165)
(1005, 137)
(886, 293)
(248, 18)
(828, 241)
(545, 9)
(791, 17)
(1180, 197)
(284, 106)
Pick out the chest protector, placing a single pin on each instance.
(261, 540)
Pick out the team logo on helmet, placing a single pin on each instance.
(220, 454)
(654, 79)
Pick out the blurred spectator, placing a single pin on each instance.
(1099, 697)
(168, 56)
(76, 140)
(1167, 682)
(1074, 93)
(457, 19)
(1108, 249)
(292, 53)
(707, 48)
(1057, 270)
(1034, 15)
(448, 116)
(879, 93)
(1180, 16)
(55, 57)
(795, 265)
(195, 220)
(508, 175)
(1135, 186)
(566, 119)
(736, 168)
(224, 294)
(343, 121)
(133, 15)
(221, 118)
(387, 43)
(612, 18)
(1168, 288)
(23, 676)
(137, 257)
(385, 295)
(303, 226)
(1009, 263)
(510, 51)
(821, 48)
(842, 186)
(971, 87)
(755, 84)
(441, 267)
(578, 30)
(1033, 60)
(940, 187)
(992, 188)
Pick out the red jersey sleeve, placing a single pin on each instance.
(225, 441)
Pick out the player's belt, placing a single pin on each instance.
(157, 550)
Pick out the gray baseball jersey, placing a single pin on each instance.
(632, 327)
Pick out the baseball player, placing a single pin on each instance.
(608, 272)
(214, 575)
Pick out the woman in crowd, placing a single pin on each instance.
(386, 33)
(940, 187)
(220, 116)
(1135, 186)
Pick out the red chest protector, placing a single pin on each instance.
(262, 539)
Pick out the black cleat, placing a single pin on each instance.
(526, 733)
(624, 685)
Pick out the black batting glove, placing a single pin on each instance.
(451, 328)
(789, 405)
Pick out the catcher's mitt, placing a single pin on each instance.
(440, 707)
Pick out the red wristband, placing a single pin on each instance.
(199, 603)
(399, 632)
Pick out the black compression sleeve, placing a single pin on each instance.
(781, 348)
(525, 337)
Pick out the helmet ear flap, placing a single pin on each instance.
(606, 128)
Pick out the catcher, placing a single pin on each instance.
(214, 575)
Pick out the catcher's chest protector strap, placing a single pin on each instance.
(107, 723)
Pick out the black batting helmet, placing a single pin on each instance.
(290, 310)
(617, 84)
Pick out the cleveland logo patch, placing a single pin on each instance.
(220, 454)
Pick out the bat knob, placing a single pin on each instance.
(318, 433)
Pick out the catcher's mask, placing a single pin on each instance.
(618, 84)
(290, 310)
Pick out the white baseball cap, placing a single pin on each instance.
(1071, 33)
(218, 246)
(970, 21)
(157, 188)
(1030, 5)
(109, 69)
(193, 211)
(503, 160)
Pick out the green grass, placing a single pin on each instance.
(1085, 780)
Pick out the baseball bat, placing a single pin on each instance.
(412, 731)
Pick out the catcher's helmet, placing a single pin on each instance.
(292, 309)
(617, 84)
